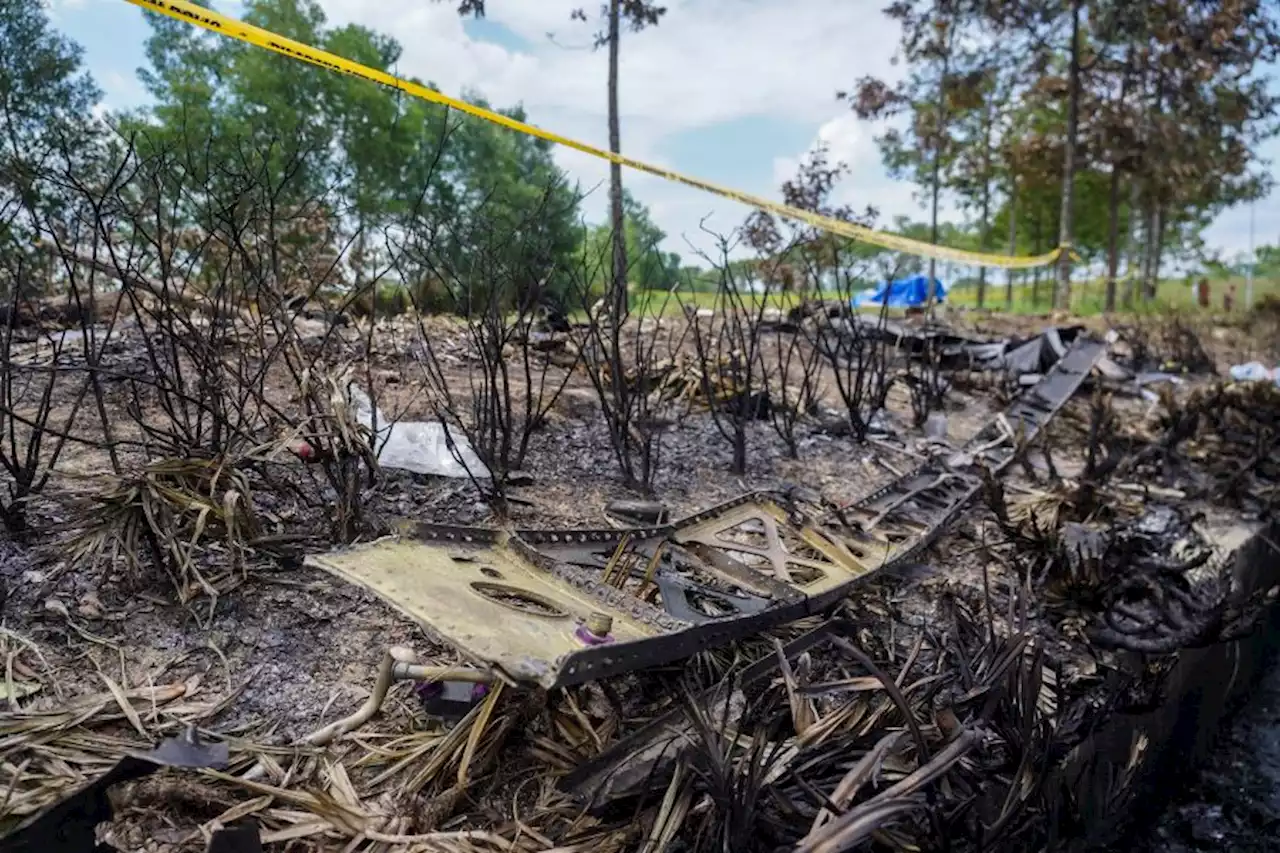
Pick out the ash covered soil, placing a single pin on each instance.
(290, 648)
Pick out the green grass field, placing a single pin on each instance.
(1088, 298)
(651, 302)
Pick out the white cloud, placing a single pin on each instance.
(852, 142)
(121, 90)
(848, 141)
(707, 62)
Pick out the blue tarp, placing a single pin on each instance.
(903, 293)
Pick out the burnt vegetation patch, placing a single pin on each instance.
(282, 315)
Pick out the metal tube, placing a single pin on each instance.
(418, 672)
(398, 664)
(386, 677)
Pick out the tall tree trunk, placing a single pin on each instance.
(618, 295)
(359, 265)
(1131, 244)
(1154, 226)
(986, 198)
(616, 298)
(1157, 249)
(940, 118)
(1035, 279)
(1013, 239)
(1148, 260)
(1062, 296)
(1148, 240)
(1113, 238)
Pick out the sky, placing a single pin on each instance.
(732, 91)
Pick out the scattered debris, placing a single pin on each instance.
(885, 722)
(1254, 371)
(424, 447)
(639, 513)
(70, 824)
(523, 603)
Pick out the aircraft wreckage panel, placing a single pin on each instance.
(560, 607)
(785, 548)
(493, 606)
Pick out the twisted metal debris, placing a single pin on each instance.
(562, 607)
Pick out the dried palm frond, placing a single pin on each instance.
(671, 814)
(1169, 342)
(44, 755)
(736, 771)
(316, 801)
(340, 431)
(168, 511)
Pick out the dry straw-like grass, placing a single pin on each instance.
(360, 796)
(165, 514)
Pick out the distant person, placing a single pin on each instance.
(1229, 297)
(1202, 292)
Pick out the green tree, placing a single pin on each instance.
(1165, 95)
(648, 267)
(1267, 261)
(510, 194)
(980, 119)
(273, 99)
(378, 136)
(614, 14)
(46, 102)
(352, 162)
(944, 76)
(225, 111)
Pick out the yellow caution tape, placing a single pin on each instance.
(232, 28)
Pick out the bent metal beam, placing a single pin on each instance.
(561, 607)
